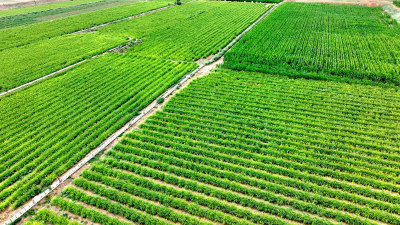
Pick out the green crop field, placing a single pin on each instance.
(322, 41)
(203, 112)
(245, 148)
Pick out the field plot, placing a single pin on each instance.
(250, 148)
(188, 32)
(48, 127)
(324, 42)
(44, 7)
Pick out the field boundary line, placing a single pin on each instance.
(133, 121)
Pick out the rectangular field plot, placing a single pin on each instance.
(49, 127)
(188, 32)
(322, 41)
(249, 148)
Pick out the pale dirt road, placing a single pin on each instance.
(10, 4)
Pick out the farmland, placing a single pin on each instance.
(298, 122)
(320, 41)
(238, 147)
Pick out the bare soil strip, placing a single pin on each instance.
(75, 171)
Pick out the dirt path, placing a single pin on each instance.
(10, 4)
(57, 186)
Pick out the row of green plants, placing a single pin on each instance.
(95, 215)
(322, 41)
(171, 197)
(91, 102)
(21, 65)
(258, 147)
(302, 181)
(46, 216)
(131, 208)
(227, 184)
(258, 137)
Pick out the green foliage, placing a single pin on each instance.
(160, 100)
(322, 41)
(84, 212)
(49, 127)
(46, 216)
(240, 147)
(189, 32)
(396, 3)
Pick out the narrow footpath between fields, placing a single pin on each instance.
(66, 179)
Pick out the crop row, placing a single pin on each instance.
(46, 216)
(196, 31)
(48, 127)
